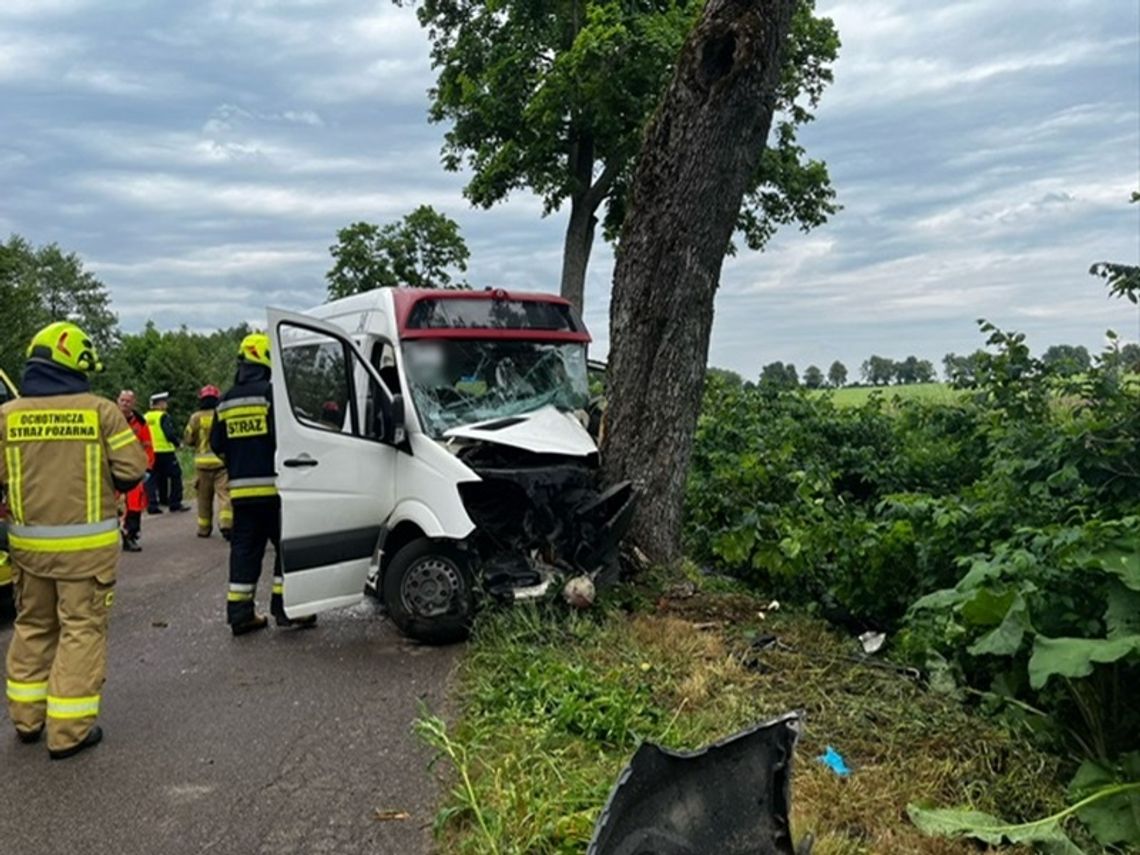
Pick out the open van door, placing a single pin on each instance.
(336, 461)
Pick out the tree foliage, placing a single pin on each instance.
(995, 537)
(1067, 359)
(422, 250)
(813, 377)
(837, 374)
(555, 99)
(777, 375)
(1123, 280)
(39, 285)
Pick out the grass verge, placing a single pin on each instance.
(551, 706)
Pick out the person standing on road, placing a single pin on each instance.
(135, 500)
(64, 454)
(166, 485)
(211, 478)
(243, 437)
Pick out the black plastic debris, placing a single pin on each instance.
(731, 798)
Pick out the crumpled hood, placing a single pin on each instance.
(42, 379)
(545, 431)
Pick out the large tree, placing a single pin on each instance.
(813, 377)
(837, 374)
(554, 97)
(422, 250)
(39, 285)
(700, 155)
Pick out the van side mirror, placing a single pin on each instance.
(391, 426)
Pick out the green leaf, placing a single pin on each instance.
(1122, 616)
(1116, 818)
(1006, 639)
(1075, 657)
(1122, 562)
(953, 822)
(986, 608)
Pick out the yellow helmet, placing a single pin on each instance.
(255, 348)
(65, 344)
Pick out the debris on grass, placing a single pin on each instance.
(833, 760)
(551, 706)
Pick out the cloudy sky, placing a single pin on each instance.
(201, 154)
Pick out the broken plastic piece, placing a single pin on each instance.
(834, 761)
(872, 641)
(731, 798)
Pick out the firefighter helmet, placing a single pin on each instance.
(209, 391)
(255, 349)
(64, 343)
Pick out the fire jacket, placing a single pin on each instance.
(162, 432)
(64, 454)
(197, 437)
(243, 437)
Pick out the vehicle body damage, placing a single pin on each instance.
(454, 458)
(732, 798)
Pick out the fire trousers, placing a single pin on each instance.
(257, 523)
(57, 660)
(211, 483)
(135, 502)
(164, 487)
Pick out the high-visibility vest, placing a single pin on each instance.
(162, 443)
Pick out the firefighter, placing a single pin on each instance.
(135, 501)
(211, 472)
(65, 453)
(165, 487)
(242, 436)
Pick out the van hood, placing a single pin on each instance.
(545, 431)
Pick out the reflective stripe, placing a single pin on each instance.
(94, 457)
(240, 593)
(27, 693)
(15, 482)
(251, 401)
(121, 439)
(279, 584)
(72, 707)
(252, 492)
(203, 522)
(64, 538)
(226, 516)
(207, 460)
(244, 412)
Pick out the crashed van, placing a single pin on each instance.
(433, 451)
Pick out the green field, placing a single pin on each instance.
(854, 396)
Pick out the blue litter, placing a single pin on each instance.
(834, 761)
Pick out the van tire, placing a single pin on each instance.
(440, 566)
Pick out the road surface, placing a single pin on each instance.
(279, 742)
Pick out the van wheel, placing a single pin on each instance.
(429, 592)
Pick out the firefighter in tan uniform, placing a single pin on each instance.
(63, 453)
(212, 478)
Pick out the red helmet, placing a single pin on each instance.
(209, 392)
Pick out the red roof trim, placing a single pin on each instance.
(405, 300)
(469, 334)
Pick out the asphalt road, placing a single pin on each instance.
(278, 742)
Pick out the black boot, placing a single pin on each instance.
(252, 625)
(29, 736)
(94, 737)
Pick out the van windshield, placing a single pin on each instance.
(455, 383)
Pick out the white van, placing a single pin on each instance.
(432, 449)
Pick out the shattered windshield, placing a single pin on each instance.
(456, 383)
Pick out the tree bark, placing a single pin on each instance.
(699, 152)
(576, 251)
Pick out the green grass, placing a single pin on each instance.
(855, 396)
(551, 705)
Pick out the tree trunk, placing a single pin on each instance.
(699, 152)
(576, 251)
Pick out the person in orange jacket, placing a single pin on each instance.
(136, 499)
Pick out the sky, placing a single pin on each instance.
(200, 156)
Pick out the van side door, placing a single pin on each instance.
(336, 461)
